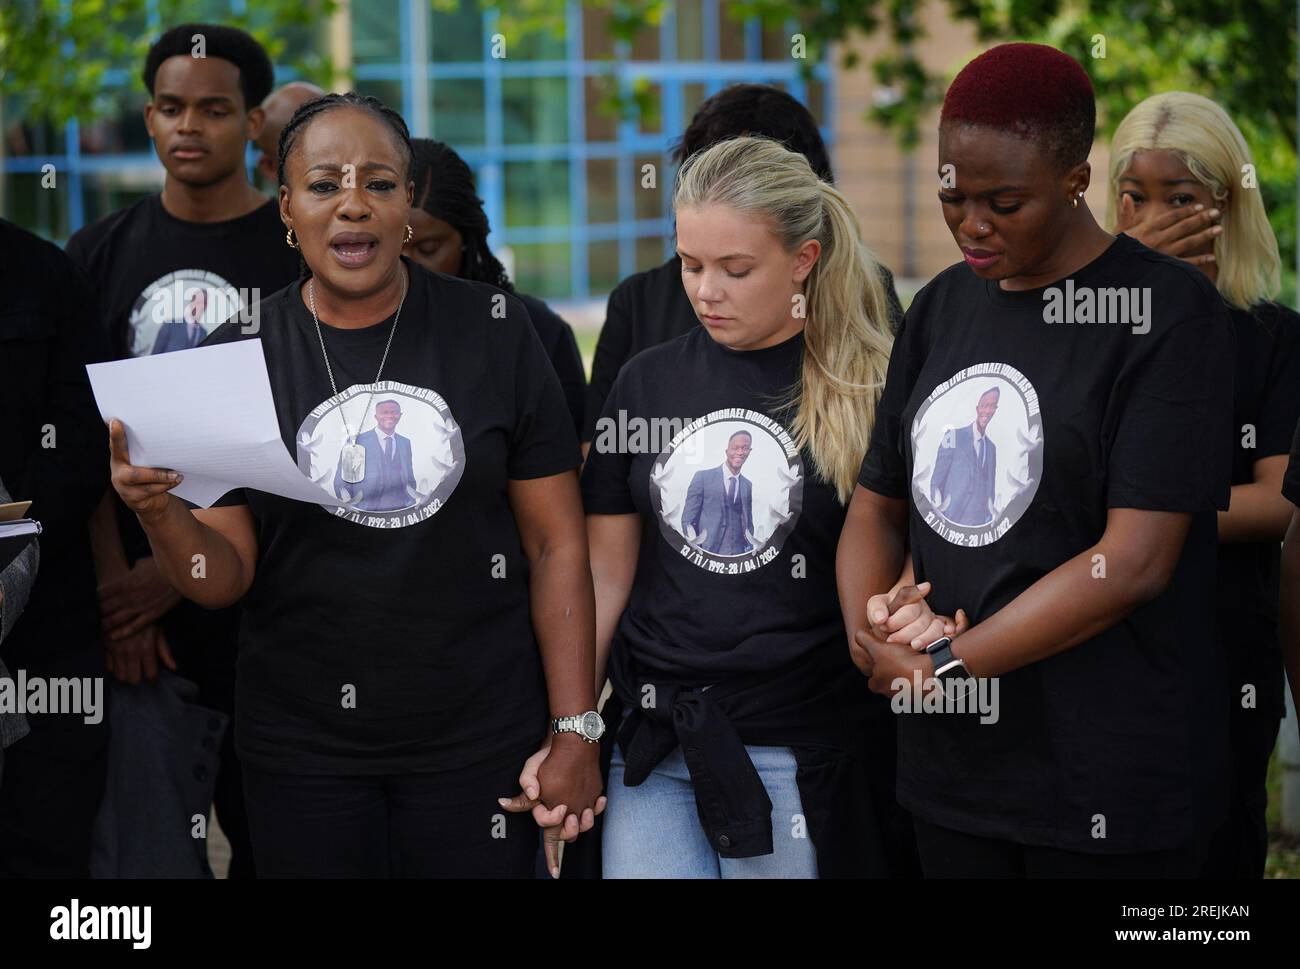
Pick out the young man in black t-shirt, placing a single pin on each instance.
(171, 269)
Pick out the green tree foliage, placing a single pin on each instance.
(55, 54)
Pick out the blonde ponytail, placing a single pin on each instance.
(847, 336)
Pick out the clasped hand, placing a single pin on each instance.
(899, 628)
(561, 786)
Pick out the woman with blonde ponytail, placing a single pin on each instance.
(715, 490)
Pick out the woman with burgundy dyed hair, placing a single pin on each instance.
(1049, 453)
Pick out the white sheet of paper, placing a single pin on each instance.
(207, 413)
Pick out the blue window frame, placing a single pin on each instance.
(561, 184)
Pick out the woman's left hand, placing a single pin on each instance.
(907, 623)
(905, 617)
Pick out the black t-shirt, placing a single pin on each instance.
(735, 591)
(736, 572)
(1125, 730)
(650, 308)
(1266, 408)
(53, 447)
(1291, 481)
(562, 349)
(165, 284)
(392, 633)
(735, 598)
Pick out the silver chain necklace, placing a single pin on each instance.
(352, 459)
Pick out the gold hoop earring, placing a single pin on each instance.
(1074, 202)
(289, 240)
(410, 234)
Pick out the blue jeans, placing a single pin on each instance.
(653, 830)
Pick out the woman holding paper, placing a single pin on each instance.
(399, 644)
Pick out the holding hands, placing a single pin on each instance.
(907, 618)
(900, 627)
(561, 786)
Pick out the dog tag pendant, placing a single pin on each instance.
(353, 462)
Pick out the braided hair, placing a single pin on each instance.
(444, 187)
(308, 111)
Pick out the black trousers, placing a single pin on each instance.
(1239, 847)
(209, 662)
(1253, 664)
(53, 784)
(953, 854)
(431, 825)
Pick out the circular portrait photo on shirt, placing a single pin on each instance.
(179, 310)
(977, 448)
(392, 453)
(728, 490)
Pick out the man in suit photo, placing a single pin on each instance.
(965, 468)
(719, 509)
(389, 470)
(184, 333)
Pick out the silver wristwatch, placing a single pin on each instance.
(587, 725)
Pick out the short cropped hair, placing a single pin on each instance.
(256, 75)
(1031, 90)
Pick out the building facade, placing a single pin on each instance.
(564, 181)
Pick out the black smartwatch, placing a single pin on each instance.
(949, 670)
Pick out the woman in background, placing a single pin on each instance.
(1176, 169)
(450, 232)
(650, 307)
